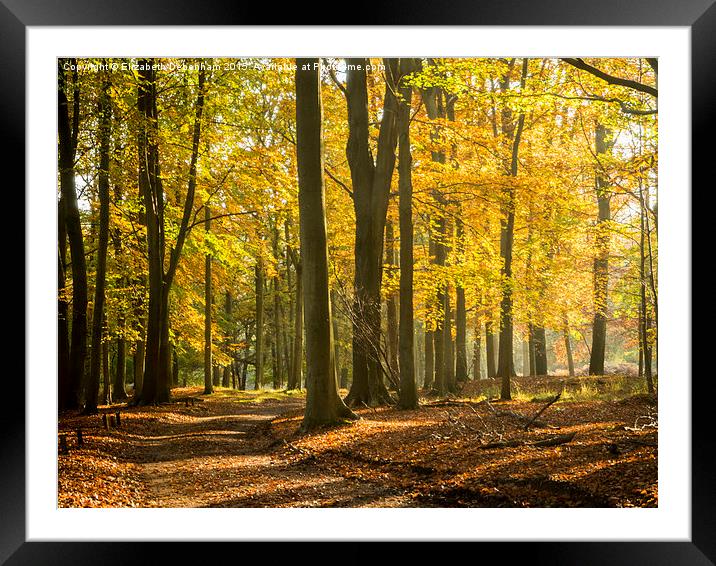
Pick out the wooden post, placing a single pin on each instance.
(119, 420)
(80, 441)
(112, 421)
(104, 421)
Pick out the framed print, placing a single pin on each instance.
(530, 141)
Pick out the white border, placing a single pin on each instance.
(671, 521)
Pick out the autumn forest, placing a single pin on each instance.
(396, 282)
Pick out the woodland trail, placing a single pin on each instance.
(244, 449)
(221, 454)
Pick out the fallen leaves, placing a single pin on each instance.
(235, 450)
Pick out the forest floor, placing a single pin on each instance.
(595, 447)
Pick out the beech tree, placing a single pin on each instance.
(323, 405)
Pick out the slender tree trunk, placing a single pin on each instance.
(391, 304)
(277, 346)
(259, 278)
(408, 397)
(439, 337)
(323, 405)
(336, 348)
(78, 339)
(120, 371)
(63, 332)
(175, 367)
(208, 300)
(490, 349)
(429, 377)
(525, 357)
(138, 366)
(449, 346)
(460, 314)
(644, 319)
(568, 349)
(296, 376)
(505, 365)
(477, 354)
(601, 260)
(106, 379)
(99, 316)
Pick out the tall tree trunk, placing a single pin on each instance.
(296, 376)
(259, 279)
(440, 384)
(568, 349)
(490, 349)
(157, 378)
(525, 357)
(460, 314)
(323, 405)
(391, 305)
(106, 380)
(477, 353)
(505, 364)
(120, 368)
(371, 187)
(208, 300)
(175, 367)
(99, 317)
(277, 346)
(429, 377)
(138, 365)
(601, 259)
(449, 346)
(408, 397)
(644, 319)
(67, 135)
(63, 337)
(148, 154)
(336, 348)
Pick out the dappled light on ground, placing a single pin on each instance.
(240, 449)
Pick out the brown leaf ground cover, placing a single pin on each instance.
(244, 449)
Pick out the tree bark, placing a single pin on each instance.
(391, 305)
(568, 349)
(477, 354)
(601, 259)
(99, 316)
(540, 346)
(296, 376)
(505, 365)
(460, 314)
(67, 135)
(408, 396)
(371, 187)
(259, 279)
(490, 349)
(208, 300)
(157, 379)
(323, 405)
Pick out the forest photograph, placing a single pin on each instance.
(329, 282)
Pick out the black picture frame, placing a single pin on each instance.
(699, 15)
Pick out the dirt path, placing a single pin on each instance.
(222, 454)
(242, 449)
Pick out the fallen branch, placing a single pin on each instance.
(519, 417)
(552, 441)
(543, 409)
